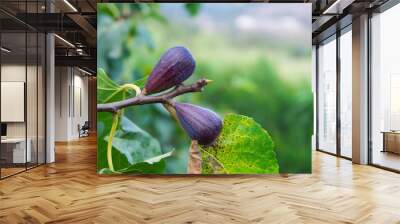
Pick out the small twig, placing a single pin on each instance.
(162, 98)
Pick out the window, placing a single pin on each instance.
(327, 96)
(346, 93)
(385, 89)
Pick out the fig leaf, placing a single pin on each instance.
(108, 91)
(243, 147)
(139, 168)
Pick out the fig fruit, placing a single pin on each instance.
(200, 123)
(175, 66)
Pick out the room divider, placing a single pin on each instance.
(22, 77)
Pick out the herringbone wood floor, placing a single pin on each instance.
(70, 191)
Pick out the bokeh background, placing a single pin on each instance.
(258, 55)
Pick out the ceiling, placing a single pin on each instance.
(331, 15)
(75, 22)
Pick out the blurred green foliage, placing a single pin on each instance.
(268, 83)
(193, 8)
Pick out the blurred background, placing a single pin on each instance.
(258, 55)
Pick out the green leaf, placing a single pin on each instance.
(109, 91)
(192, 8)
(243, 147)
(155, 14)
(106, 171)
(104, 82)
(108, 9)
(106, 88)
(137, 148)
(131, 144)
(136, 144)
(141, 82)
(146, 168)
(156, 159)
(139, 168)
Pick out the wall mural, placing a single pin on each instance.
(194, 88)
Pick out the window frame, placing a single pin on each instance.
(333, 37)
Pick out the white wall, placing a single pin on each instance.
(33, 127)
(12, 73)
(71, 94)
(80, 100)
(16, 73)
(62, 81)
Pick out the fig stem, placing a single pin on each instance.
(141, 99)
(132, 86)
(123, 89)
(171, 110)
(127, 87)
(110, 141)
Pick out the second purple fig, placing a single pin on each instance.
(200, 123)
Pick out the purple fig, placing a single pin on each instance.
(201, 124)
(175, 66)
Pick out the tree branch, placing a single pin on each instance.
(162, 98)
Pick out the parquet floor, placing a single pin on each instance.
(70, 191)
(10, 171)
